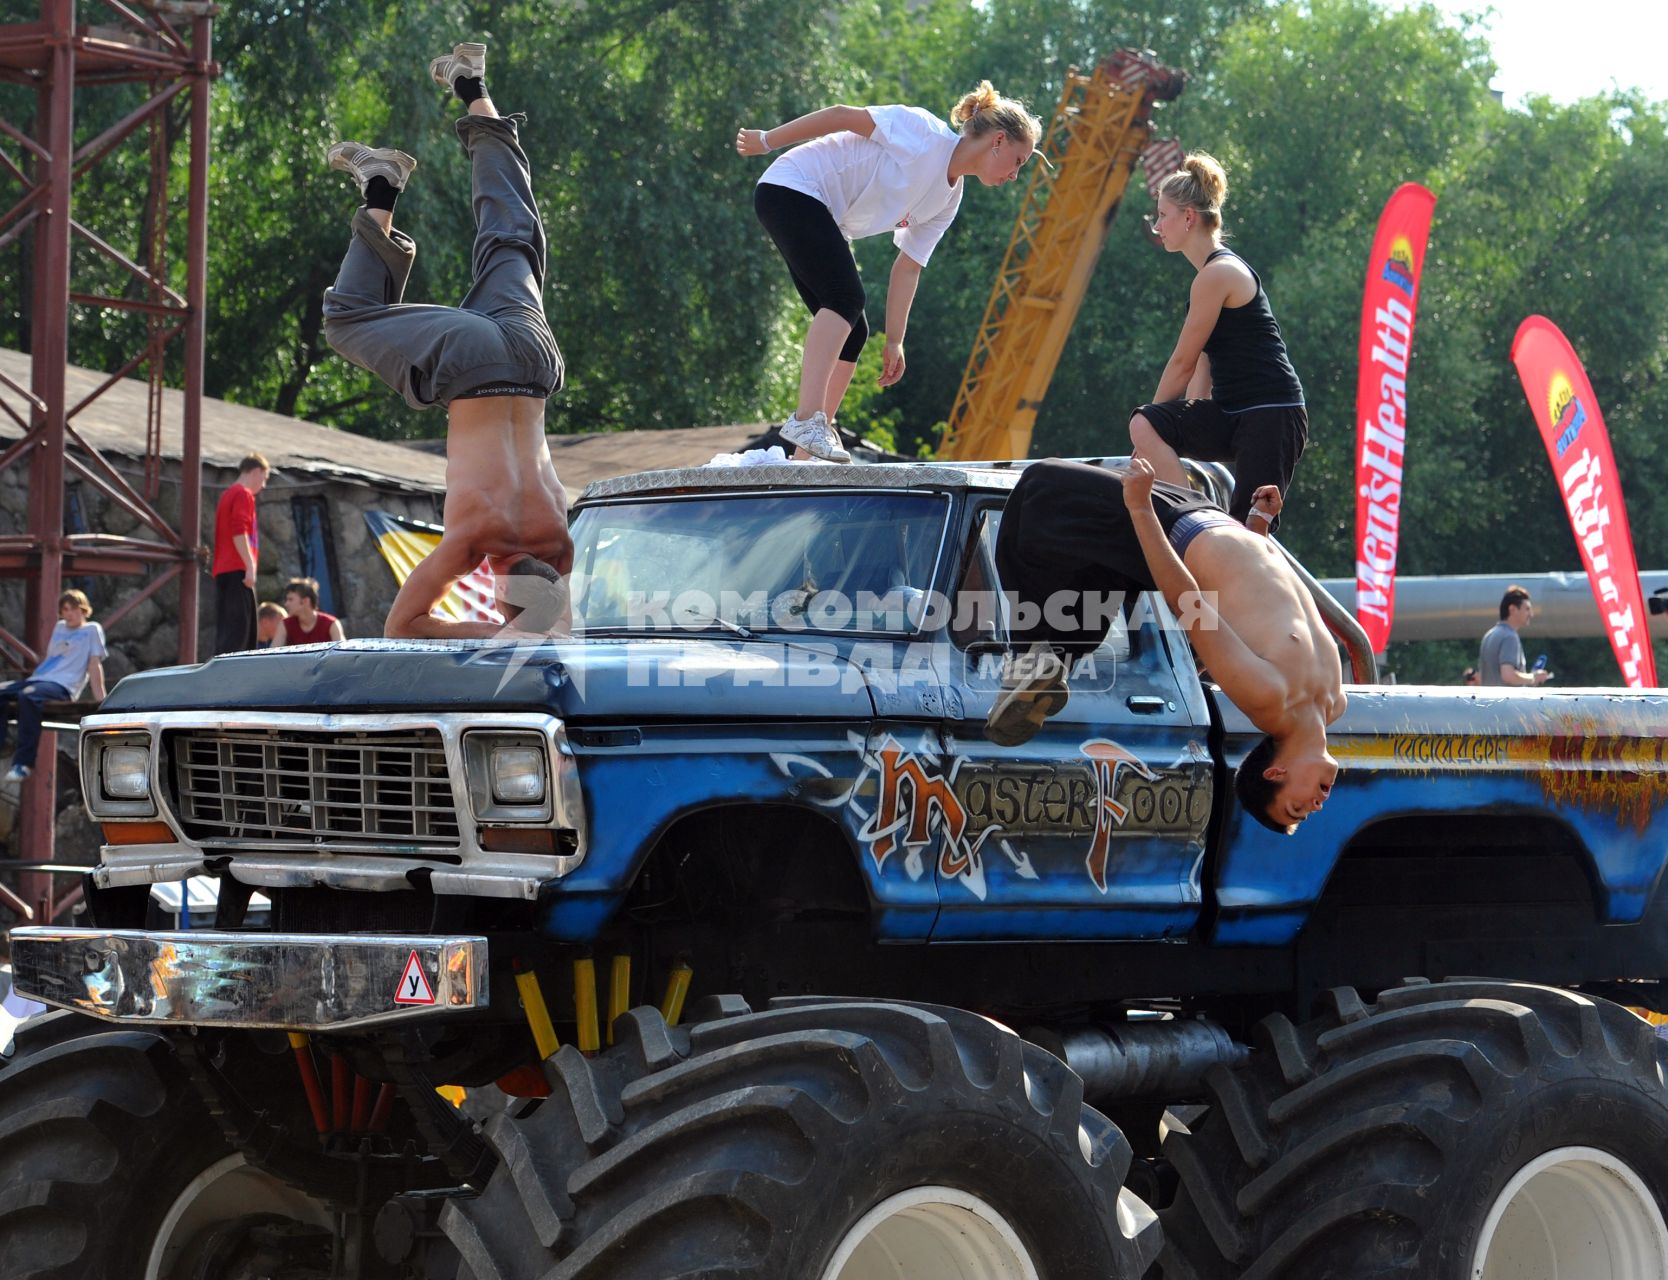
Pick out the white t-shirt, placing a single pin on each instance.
(69, 653)
(892, 181)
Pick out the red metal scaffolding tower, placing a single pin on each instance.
(163, 45)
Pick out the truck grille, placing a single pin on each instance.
(267, 784)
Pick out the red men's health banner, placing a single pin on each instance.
(1573, 431)
(1387, 311)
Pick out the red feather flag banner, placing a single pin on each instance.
(1388, 305)
(1573, 431)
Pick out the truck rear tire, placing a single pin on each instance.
(110, 1164)
(805, 1141)
(1463, 1130)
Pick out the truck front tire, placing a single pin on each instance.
(802, 1141)
(1451, 1131)
(110, 1164)
(111, 1167)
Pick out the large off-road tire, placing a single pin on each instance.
(1463, 1130)
(807, 1141)
(110, 1164)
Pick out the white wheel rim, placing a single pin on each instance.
(229, 1188)
(931, 1233)
(1576, 1213)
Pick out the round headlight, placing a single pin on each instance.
(517, 775)
(126, 772)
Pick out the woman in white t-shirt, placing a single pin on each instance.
(863, 171)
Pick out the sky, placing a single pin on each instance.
(1569, 49)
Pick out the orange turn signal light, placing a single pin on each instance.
(518, 839)
(138, 833)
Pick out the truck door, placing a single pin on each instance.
(1095, 828)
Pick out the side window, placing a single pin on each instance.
(318, 549)
(981, 611)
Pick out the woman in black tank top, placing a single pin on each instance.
(1229, 392)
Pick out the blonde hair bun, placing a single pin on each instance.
(1208, 173)
(981, 99)
(985, 111)
(1201, 185)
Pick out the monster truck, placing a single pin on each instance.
(878, 998)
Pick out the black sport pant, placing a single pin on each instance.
(1066, 535)
(818, 258)
(234, 613)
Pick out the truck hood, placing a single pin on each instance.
(589, 679)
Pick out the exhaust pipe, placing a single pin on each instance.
(1158, 1060)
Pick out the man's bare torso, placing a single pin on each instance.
(1271, 611)
(502, 494)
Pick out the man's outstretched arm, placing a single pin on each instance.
(1254, 684)
(411, 618)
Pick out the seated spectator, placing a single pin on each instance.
(305, 623)
(269, 625)
(74, 656)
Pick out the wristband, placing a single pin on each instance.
(1264, 516)
(764, 141)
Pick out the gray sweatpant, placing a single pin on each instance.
(432, 354)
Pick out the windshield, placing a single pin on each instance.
(830, 562)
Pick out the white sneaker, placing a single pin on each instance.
(815, 436)
(18, 772)
(467, 59)
(365, 163)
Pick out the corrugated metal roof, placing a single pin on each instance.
(115, 424)
(603, 455)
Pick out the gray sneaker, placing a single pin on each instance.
(1033, 688)
(467, 59)
(365, 163)
(815, 436)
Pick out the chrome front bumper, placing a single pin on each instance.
(300, 982)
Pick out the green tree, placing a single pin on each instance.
(667, 310)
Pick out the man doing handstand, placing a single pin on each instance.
(1071, 530)
(491, 362)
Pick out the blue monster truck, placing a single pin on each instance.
(959, 1012)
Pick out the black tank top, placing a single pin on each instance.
(1249, 368)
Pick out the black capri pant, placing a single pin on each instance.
(1263, 444)
(818, 258)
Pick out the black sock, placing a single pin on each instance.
(381, 193)
(468, 88)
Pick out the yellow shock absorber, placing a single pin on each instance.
(619, 991)
(538, 1017)
(677, 989)
(585, 1004)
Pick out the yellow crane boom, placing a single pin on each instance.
(1093, 144)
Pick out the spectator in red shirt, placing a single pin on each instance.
(306, 623)
(237, 555)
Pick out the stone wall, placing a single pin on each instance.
(148, 636)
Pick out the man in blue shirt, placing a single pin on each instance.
(74, 657)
